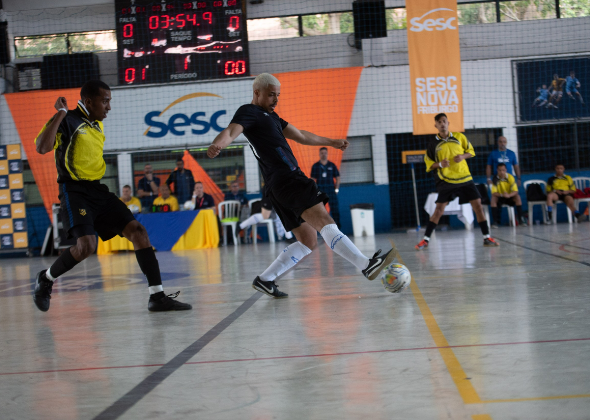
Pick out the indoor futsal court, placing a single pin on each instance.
(480, 334)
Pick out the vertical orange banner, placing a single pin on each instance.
(435, 63)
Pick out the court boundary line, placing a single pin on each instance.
(557, 243)
(141, 390)
(544, 252)
(301, 356)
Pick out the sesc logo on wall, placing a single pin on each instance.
(435, 64)
(173, 115)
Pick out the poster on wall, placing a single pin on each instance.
(13, 219)
(553, 89)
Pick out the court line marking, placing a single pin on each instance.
(127, 401)
(481, 417)
(546, 253)
(558, 243)
(556, 397)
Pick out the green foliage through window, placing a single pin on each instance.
(37, 46)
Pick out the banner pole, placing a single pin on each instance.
(415, 198)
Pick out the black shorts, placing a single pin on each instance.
(292, 196)
(503, 201)
(88, 206)
(263, 203)
(562, 197)
(467, 191)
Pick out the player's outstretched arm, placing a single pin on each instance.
(224, 139)
(46, 139)
(310, 139)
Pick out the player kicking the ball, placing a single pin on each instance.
(446, 154)
(77, 137)
(295, 197)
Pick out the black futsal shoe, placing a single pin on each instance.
(269, 288)
(167, 303)
(378, 263)
(42, 293)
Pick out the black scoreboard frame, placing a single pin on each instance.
(180, 40)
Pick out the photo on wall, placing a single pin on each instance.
(553, 89)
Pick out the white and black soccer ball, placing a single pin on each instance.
(396, 277)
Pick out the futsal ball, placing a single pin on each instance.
(396, 277)
(133, 208)
(189, 205)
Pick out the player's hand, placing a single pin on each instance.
(458, 158)
(340, 144)
(519, 183)
(61, 103)
(213, 150)
(445, 163)
(489, 181)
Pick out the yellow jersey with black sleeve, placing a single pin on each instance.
(133, 202)
(78, 147)
(171, 201)
(564, 183)
(440, 149)
(504, 186)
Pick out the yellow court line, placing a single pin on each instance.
(481, 417)
(464, 386)
(556, 397)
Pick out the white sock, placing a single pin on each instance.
(341, 245)
(288, 235)
(288, 258)
(155, 289)
(49, 276)
(252, 220)
(279, 227)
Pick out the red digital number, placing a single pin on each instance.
(234, 23)
(130, 75)
(180, 19)
(143, 74)
(128, 31)
(154, 22)
(186, 61)
(166, 21)
(155, 8)
(235, 67)
(231, 3)
(208, 16)
(192, 19)
(229, 68)
(240, 67)
(217, 3)
(187, 6)
(201, 5)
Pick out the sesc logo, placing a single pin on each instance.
(178, 124)
(439, 24)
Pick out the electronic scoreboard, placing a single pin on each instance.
(170, 41)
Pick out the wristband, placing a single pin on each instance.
(194, 196)
(336, 190)
(63, 109)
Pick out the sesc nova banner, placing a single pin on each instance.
(435, 63)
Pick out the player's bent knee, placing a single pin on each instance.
(86, 246)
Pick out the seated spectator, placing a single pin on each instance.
(235, 194)
(262, 210)
(183, 180)
(147, 187)
(201, 199)
(505, 191)
(131, 202)
(165, 199)
(561, 187)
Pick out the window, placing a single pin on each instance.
(36, 46)
(32, 194)
(395, 18)
(111, 175)
(327, 24)
(474, 13)
(273, 28)
(511, 11)
(227, 167)
(574, 8)
(357, 161)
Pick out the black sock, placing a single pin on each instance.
(429, 229)
(485, 229)
(146, 258)
(519, 212)
(497, 215)
(549, 215)
(64, 263)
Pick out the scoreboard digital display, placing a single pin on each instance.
(171, 41)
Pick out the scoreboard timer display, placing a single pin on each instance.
(171, 41)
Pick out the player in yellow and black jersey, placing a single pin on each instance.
(77, 138)
(561, 187)
(446, 155)
(505, 192)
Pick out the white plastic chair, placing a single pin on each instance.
(229, 210)
(511, 214)
(581, 182)
(269, 223)
(543, 204)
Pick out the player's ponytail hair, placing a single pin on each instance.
(264, 80)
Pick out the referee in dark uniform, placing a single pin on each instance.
(296, 199)
(77, 137)
(324, 173)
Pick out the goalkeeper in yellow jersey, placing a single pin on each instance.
(446, 155)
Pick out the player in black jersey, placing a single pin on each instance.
(296, 198)
(77, 137)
